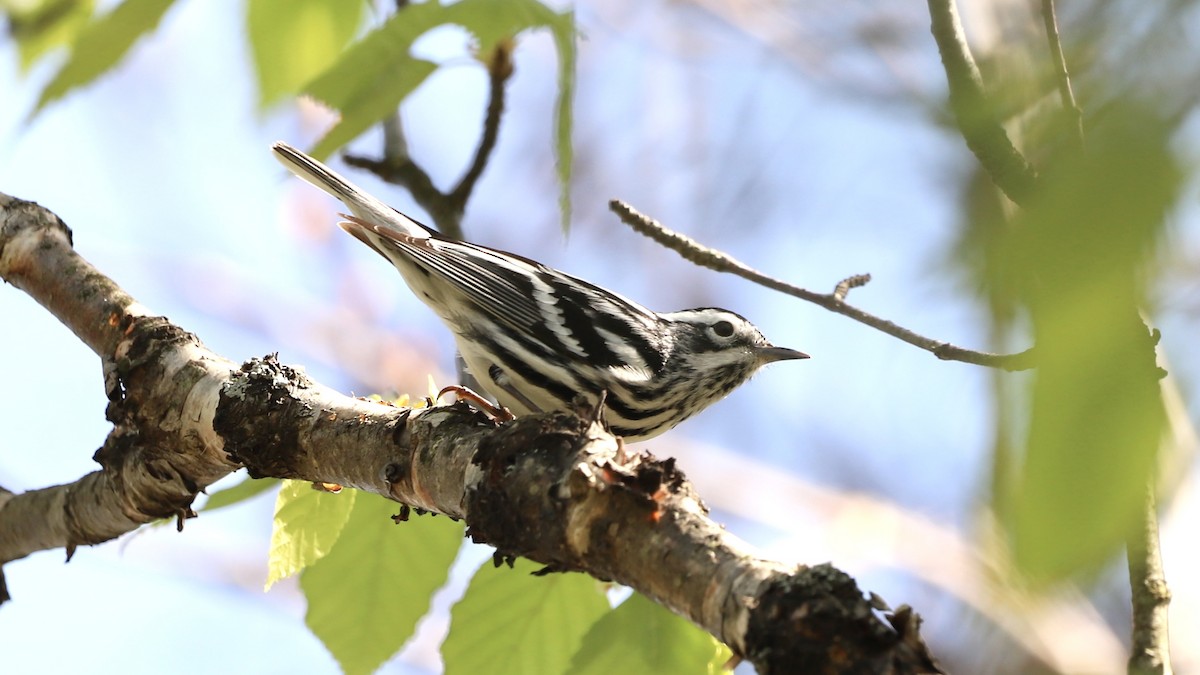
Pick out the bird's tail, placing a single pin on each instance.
(359, 202)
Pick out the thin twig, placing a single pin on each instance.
(1072, 109)
(835, 302)
(399, 168)
(395, 144)
(500, 68)
(974, 113)
(843, 288)
(1150, 649)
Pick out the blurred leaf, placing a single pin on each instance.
(102, 43)
(564, 39)
(374, 75)
(510, 621)
(491, 21)
(308, 523)
(294, 40)
(235, 494)
(39, 26)
(368, 83)
(366, 596)
(652, 640)
(1096, 413)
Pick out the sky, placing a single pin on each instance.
(163, 171)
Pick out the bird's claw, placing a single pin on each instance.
(497, 412)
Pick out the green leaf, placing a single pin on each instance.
(294, 40)
(564, 38)
(41, 26)
(234, 494)
(491, 21)
(1096, 416)
(651, 639)
(375, 74)
(102, 44)
(376, 96)
(510, 621)
(366, 596)
(308, 522)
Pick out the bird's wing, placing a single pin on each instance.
(538, 303)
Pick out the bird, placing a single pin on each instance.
(540, 340)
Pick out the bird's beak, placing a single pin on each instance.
(772, 354)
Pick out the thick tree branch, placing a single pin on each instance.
(976, 116)
(701, 255)
(143, 478)
(36, 257)
(556, 488)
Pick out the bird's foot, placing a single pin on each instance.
(497, 412)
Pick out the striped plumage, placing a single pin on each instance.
(536, 338)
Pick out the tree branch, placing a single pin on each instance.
(974, 113)
(699, 254)
(184, 416)
(1066, 93)
(500, 69)
(399, 168)
(1150, 646)
(161, 450)
(36, 257)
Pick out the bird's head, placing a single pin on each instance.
(709, 339)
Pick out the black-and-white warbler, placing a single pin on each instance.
(536, 338)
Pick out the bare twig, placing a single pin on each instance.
(395, 145)
(398, 167)
(974, 113)
(1072, 109)
(500, 68)
(1150, 647)
(834, 302)
(843, 288)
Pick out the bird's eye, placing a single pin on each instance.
(723, 328)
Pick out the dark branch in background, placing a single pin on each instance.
(976, 116)
(500, 69)
(834, 302)
(395, 144)
(1065, 92)
(399, 168)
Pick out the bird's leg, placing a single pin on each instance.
(497, 412)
